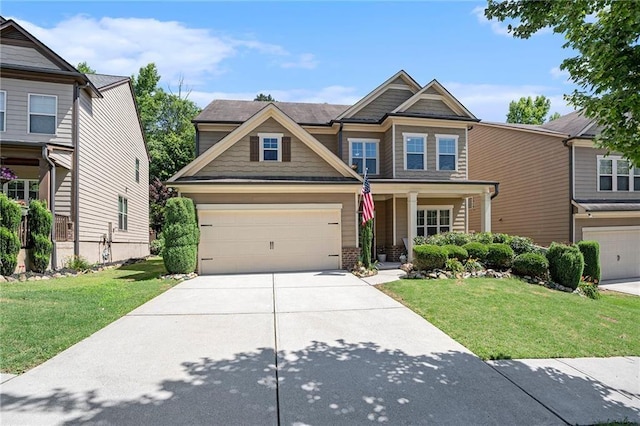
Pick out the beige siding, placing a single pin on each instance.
(432, 91)
(110, 142)
(329, 141)
(596, 223)
(384, 103)
(354, 136)
(586, 177)
(382, 220)
(235, 160)
(431, 106)
(533, 171)
(386, 153)
(401, 221)
(347, 200)
(63, 191)
(431, 172)
(208, 139)
(24, 56)
(17, 110)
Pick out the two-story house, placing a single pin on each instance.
(277, 185)
(557, 185)
(75, 141)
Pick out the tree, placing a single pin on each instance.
(263, 97)
(528, 111)
(84, 68)
(604, 34)
(554, 116)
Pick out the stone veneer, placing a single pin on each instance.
(350, 256)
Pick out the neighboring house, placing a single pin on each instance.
(556, 185)
(74, 141)
(277, 184)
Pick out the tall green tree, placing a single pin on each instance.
(263, 97)
(528, 110)
(604, 34)
(554, 116)
(84, 68)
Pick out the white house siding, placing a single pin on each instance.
(25, 56)
(110, 142)
(17, 110)
(586, 177)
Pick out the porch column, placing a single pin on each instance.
(412, 213)
(485, 212)
(44, 182)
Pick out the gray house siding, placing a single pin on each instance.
(431, 106)
(385, 103)
(207, 139)
(586, 177)
(25, 56)
(346, 136)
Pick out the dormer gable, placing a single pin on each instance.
(434, 100)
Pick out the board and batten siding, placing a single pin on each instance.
(533, 172)
(17, 110)
(110, 142)
(383, 104)
(24, 56)
(586, 177)
(235, 161)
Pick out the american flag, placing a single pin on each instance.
(367, 200)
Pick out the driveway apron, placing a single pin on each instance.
(292, 349)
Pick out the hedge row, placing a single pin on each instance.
(495, 255)
(519, 245)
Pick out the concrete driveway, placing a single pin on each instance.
(291, 349)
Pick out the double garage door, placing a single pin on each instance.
(268, 239)
(619, 250)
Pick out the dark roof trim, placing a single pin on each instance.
(607, 201)
(264, 179)
(438, 182)
(47, 74)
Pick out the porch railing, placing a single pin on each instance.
(63, 228)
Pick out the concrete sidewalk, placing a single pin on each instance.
(307, 348)
(629, 286)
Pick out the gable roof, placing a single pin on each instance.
(230, 111)
(445, 96)
(269, 111)
(525, 127)
(102, 81)
(575, 124)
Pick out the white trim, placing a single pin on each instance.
(55, 115)
(610, 228)
(443, 136)
(277, 136)
(407, 135)
(438, 208)
(25, 190)
(445, 97)
(395, 237)
(365, 141)
(267, 207)
(3, 108)
(573, 171)
(582, 143)
(393, 150)
(614, 174)
(466, 153)
(356, 218)
(125, 212)
(620, 214)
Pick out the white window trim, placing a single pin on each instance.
(55, 115)
(3, 108)
(443, 136)
(406, 136)
(27, 182)
(126, 213)
(263, 136)
(364, 152)
(435, 207)
(614, 174)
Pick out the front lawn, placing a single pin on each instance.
(506, 318)
(39, 319)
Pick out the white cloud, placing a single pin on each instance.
(306, 61)
(496, 27)
(557, 73)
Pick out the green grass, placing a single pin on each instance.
(506, 318)
(39, 319)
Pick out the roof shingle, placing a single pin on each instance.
(103, 80)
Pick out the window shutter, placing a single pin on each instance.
(286, 148)
(254, 148)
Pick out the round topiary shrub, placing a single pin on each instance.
(181, 236)
(476, 250)
(428, 257)
(591, 252)
(566, 264)
(499, 256)
(521, 245)
(40, 222)
(502, 238)
(531, 264)
(456, 252)
(456, 238)
(482, 237)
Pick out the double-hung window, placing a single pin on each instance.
(415, 151)
(22, 189)
(42, 114)
(3, 110)
(616, 174)
(270, 146)
(123, 213)
(447, 152)
(363, 153)
(433, 220)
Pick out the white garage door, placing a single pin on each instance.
(240, 241)
(619, 250)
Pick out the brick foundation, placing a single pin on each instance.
(394, 252)
(350, 256)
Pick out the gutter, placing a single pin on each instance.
(496, 185)
(52, 204)
(566, 143)
(197, 153)
(340, 141)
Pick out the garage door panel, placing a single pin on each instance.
(619, 250)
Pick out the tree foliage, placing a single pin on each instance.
(528, 110)
(263, 97)
(554, 116)
(605, 36)
(84, 68)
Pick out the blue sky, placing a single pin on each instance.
(333, 52)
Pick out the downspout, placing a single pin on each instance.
(571, 194)
(197, 153)
(75, 140)
(340, 141)
(497, 190)
(52, 204)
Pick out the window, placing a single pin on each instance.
(270, 146)
(415, 149)
(22, 189)
(123, 212)
(363, 153)
(137, 170)
(616, 174)
(3, 110)
(447, 155)
(42, 114)
(433, 220)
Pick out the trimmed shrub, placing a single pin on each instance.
(181, 236)
(454, 265)
(40, 222)
(482, 237)
(157, 246)
(531, 264)
(77, 263)
(10, 213)
(455, 252)
(590, 290)
(476, 250)
(566, 264)
(456, 238)
(499, 256)
(521, 245)
(473, 265)
(9, 248)
(420, 240)
(502, 238)
(591, 252)
(427, 257)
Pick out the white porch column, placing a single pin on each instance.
(412, 215)
(485, 212)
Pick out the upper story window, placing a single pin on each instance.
(3, 110)
(42, 114)
(22, 189)
(616, 174)
(447, 152)
(364, 153)
(415, 151)
(123, 213)
(433, 220)
(137, 170)
(270, 146)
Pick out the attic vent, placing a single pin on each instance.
(13, 34)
